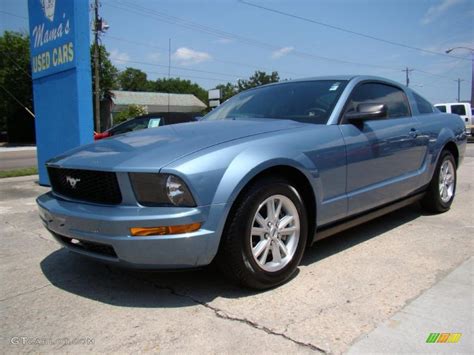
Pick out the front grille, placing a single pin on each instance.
(86, 185)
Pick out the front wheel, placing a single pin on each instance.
(265, 235)
(442, 188)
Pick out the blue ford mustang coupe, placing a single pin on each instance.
(259, 179)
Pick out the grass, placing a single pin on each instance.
(18, 172)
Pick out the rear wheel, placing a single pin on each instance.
(442, 188)
(265, 235)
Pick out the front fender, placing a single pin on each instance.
(217, 175)
(247, 165)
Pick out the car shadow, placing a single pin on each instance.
(364, 232)
(127, 288)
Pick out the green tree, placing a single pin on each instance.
(108, 73)
(179, 86)
(15, 78)
(257, 79)
(132, 79)
(129, 112)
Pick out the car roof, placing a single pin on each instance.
(154, 114)
(340, 77)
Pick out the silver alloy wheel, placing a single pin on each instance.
(275, 233)
(446, 181)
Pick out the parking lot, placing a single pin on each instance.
(347, 286)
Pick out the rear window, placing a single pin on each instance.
(423, 105)
(441, 108)
(458, 109)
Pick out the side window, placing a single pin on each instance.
(394, 98)
(442, 108)
(423, 105)
(458, 109)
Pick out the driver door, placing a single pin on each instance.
(384, 155)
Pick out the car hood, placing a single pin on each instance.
(151, 149)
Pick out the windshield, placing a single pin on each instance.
(303, 101)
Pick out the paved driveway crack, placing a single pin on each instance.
(223, 315)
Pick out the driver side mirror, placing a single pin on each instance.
(366, 112)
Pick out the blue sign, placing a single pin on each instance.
(52, 37)
(61, 71)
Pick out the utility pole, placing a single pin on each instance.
(169, 71)
(96, 68)
(459, 89)
(169, 58)
(407, 78)
(472, 69)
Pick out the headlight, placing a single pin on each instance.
(161, 190)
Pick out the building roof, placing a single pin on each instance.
(157, 101)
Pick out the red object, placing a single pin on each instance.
(102, 135)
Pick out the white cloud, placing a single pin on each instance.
(437, 10)
(188, 56)
(118, 57)
(282, 52)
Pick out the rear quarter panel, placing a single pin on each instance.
(439, 129)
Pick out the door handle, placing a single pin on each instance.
(413, 133)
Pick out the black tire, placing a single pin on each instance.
(432, 201)
(235, 258)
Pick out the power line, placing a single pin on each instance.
(142, 11)
(215, 59)
(433, 74)
(14, 15)
(181, 68)
(342, 29)
(179, 76)
(147, 12)
(431, 82)
(15, 63)
(18, 101)
(247, 65)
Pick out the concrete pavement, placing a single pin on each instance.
(442, 309)
(347, 286)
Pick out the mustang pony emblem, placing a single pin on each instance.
(72, 181)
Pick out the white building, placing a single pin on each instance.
(156, 101)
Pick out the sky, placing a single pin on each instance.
(220, 41)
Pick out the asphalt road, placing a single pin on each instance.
(347, 288)
(15, 159)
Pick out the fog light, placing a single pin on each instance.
(164, 230)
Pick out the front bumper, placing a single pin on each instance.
(103, 232)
